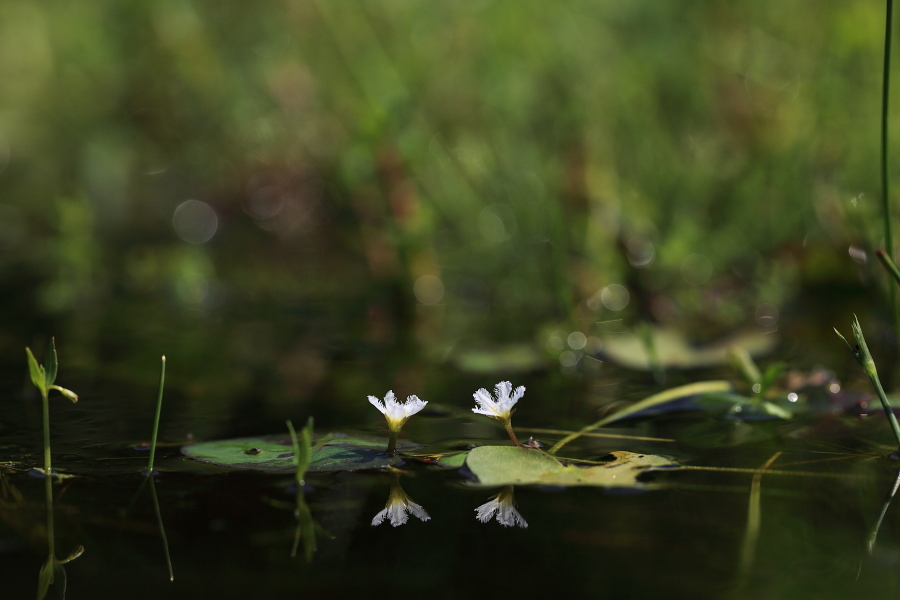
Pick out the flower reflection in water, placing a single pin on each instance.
(503, 505)
(399, 506)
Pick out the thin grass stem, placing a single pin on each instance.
(888, 263)
(885, 179)
(162, 381)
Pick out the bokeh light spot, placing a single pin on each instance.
(577, 340)
(195, 222)
(640, 251)
(428, 289)
(767, 315)
(567, 358)
(615, 297)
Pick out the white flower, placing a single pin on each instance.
(502, 505)
(501, 407)
(397, 507)
(395, 412)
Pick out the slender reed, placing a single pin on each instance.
(162, 381)
(885, 180)
(865, 360)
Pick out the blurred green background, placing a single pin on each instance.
(308, 199)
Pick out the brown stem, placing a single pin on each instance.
(392, 442)
(512, 434)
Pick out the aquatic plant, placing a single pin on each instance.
(864, 358)
(162, 381)
(885, 180)
(396, 413)
(303, 452)
(44, 377)
(399, 506)
(501, 407)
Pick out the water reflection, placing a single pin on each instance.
(399, 506)
(873, 534)
(503, 506)
(148, 479)
(52, 572)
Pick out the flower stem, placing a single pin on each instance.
(512, 434)
(392, 442)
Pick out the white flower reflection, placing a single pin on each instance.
(502, 506)
(398, 507)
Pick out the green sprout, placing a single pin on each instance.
(864, 358)
(303, 451)
(43, 377)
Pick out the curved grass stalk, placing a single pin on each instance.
(885, 179)
(692, 389)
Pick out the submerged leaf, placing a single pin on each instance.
(674, 351)
(511, 465)
(45, 578)
(275, 453)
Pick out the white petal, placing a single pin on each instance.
(398, 514)
(487, 413)
(484, 401)
(377, 404)
(517, 395)
(379, 518)
(413, 405)
(486, 511)
(503, 389)
(510, 517)
(418, 511)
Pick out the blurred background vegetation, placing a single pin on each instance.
(308, 200)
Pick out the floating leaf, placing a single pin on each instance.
(673, 351)
(453, 460)
(511, 465)
(275, 453)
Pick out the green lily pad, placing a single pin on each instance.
(453, 460)
(673, 350)
(274, 453)
(511, 465)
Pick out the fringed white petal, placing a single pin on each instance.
(508, 516)
(500, 406)
(413, 405)
(379, 518)
(486, 511)
(418, 511)
(377, 404)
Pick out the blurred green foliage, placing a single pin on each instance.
(423, 175)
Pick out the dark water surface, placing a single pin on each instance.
(686, 537)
